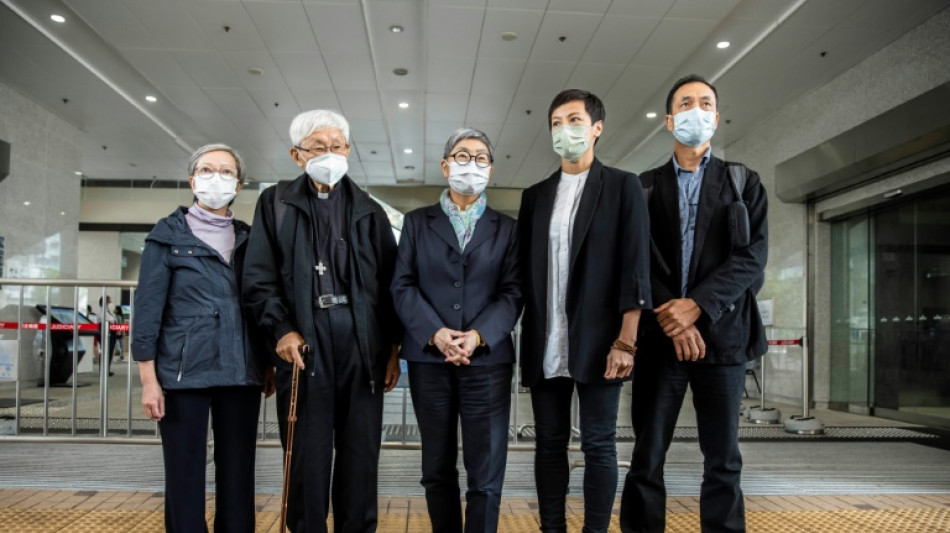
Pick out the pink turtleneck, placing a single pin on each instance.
(214, 230)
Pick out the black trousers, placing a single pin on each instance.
(659, 385)
(184, 430)
(336, 408)
(480, 397)
(551, 401)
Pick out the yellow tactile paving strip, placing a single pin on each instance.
(102, 511)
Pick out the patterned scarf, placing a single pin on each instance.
(463, 222)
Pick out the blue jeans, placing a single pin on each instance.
(551, 401)
(659, 385)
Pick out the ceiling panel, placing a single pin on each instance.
(158, 66)
(487, 107)
(349, 72)
(597, 78)
(576, 30)
(284, 27)
(704, 9)
(453, 32)
(227, 26)
(497, 76)
(360, 105)
(497, 21)
(642, 8)
(305, 70)
(618, 38)
(312, 99)
(339, 29)
(587, 6)
(673, 40)
(375, 152)
(207, 69)
(171, 24)
(115, 23)
(368, 130)
(446, 107)
(454, 78)
(235, 103)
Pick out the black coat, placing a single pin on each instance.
(188, 316)
(609, 269)
(436, 285)
(278, 277)
(722, 279)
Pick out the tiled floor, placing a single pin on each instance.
(109, 511)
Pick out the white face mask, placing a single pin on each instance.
(327, 169)
(216, 191)
(694, 127)
(468, 179)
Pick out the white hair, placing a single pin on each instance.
(315, 120)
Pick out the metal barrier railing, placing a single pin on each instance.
(83, 424)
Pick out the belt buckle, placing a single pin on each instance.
(327, 301)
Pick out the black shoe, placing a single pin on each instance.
(111, 374)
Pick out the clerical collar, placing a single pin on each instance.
(322, 195)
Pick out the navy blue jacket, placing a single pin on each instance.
(188, 315)
(722, 279)
(436, 285)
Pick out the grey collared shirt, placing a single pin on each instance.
(688, 184)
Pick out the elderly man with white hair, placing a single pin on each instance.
(319, 264)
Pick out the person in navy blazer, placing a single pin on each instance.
(457, 291)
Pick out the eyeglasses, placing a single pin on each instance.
(206, 173)
(482, 160)
(319, 149)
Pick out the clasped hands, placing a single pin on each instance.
(677, 317)
(456, 346)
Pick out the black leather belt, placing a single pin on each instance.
(326, 301)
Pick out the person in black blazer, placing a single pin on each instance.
(584, 237)
(710, 232)
(457, 292)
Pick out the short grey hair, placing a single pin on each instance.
(466, 133)
(315, 120)
(218, 147)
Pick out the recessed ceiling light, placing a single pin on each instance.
(26, 202)
(508, 36)
(651, 114)
(62, 213)
(723, 44)
(409, 167)
(400, 71)
(403, 105)
(255, 71)
(57, 18)
(396, 28)
(151, 98)
(78, 173)
(407, 151)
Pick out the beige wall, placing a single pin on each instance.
(41, 237)
(911, 65)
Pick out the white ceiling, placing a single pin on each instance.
(341, 55)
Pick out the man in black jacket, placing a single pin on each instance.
(584, 259)
(319, 264)
(710, 236)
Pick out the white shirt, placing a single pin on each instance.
(568, 197)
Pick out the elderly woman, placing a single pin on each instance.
(194, 352)
(457, 292)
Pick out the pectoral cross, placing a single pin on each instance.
(320, 268)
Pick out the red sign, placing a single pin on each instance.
(40, 326)
(785, 342)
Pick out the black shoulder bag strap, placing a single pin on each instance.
(739, 233)
(280, 208)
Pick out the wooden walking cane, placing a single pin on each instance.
(289, 453)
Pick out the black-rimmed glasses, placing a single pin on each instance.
(482, 160)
